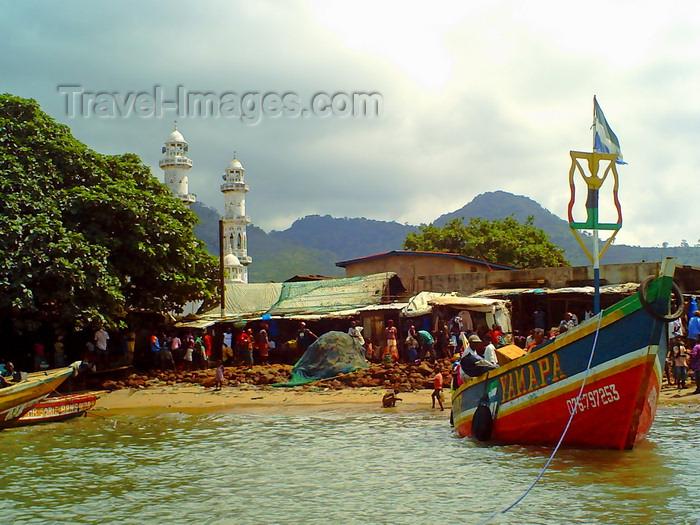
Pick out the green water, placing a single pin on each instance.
(334, 467)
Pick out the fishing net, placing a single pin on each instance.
(331, 354)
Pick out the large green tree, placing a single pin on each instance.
(86, 237)
(503, 241)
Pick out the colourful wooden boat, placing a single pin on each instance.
(59, 408)
(19, 398)
(531, 399)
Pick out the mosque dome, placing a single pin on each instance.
(176, 136)
(235, 164)
(232, 260)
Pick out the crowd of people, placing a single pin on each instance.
(472, 351)
(191, 352)
(683, 356)
(254, 345)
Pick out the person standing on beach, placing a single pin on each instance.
(391, 351)
(200, 356)
(356, 333)
(166, 355)
(694, 328)
(443, 338)
(304, 338)
(207, 347)
(155, 350)
(263, 343)
(101, 338)
(188, 358)
(227, 347)
(175, 344)
(411, 345)
(219, 376)
(437, 385)
(694, 363)
(680, 365)
(249, 347)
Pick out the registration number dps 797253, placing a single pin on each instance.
(594, 398)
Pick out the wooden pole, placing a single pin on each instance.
(222, 280)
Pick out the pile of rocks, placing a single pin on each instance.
(399, 377)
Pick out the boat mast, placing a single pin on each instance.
(593, 182)
(596, 251)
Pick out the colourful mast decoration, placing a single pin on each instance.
(606, 154)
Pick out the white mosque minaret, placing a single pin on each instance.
(235, 243)
(176, 165)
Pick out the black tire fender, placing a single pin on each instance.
(667, 318)
(482, 423)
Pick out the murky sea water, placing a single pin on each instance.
(335, 467)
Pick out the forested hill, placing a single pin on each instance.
(313, 244)
(499, 204)
(347, 238)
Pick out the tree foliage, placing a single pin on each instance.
(87, 237)
(504, 241)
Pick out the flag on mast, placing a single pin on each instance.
(604, 139)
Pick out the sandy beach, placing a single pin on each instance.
(193, 399)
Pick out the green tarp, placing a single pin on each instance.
(331, 354)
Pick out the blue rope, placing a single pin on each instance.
(561, 439)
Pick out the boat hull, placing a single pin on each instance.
(52, 409)
(531, 399)
(19, 398)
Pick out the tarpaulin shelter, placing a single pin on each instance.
(301, 300)
(495, 310)
(555, 302)
(331, 354)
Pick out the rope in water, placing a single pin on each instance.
(563, 435)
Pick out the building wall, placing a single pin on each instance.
(410, 267)
(468, 283)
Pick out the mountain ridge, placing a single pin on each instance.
(314, 243)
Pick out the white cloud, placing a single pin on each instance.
(478, 96)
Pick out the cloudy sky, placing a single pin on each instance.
(476, 96)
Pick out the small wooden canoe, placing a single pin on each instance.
(19, 397)
(59, 408)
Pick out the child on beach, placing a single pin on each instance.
(437, 385)
(219, 377)
(680, 365)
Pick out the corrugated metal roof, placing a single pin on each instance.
(290, 299)
(198, 323)
(625, 288)
(468, 302)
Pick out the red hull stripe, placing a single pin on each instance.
(532, 398)
(573, 384)
(602, 418)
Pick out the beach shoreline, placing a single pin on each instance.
(196, 399)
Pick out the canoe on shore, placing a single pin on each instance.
(59, 408)
(19, 397)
